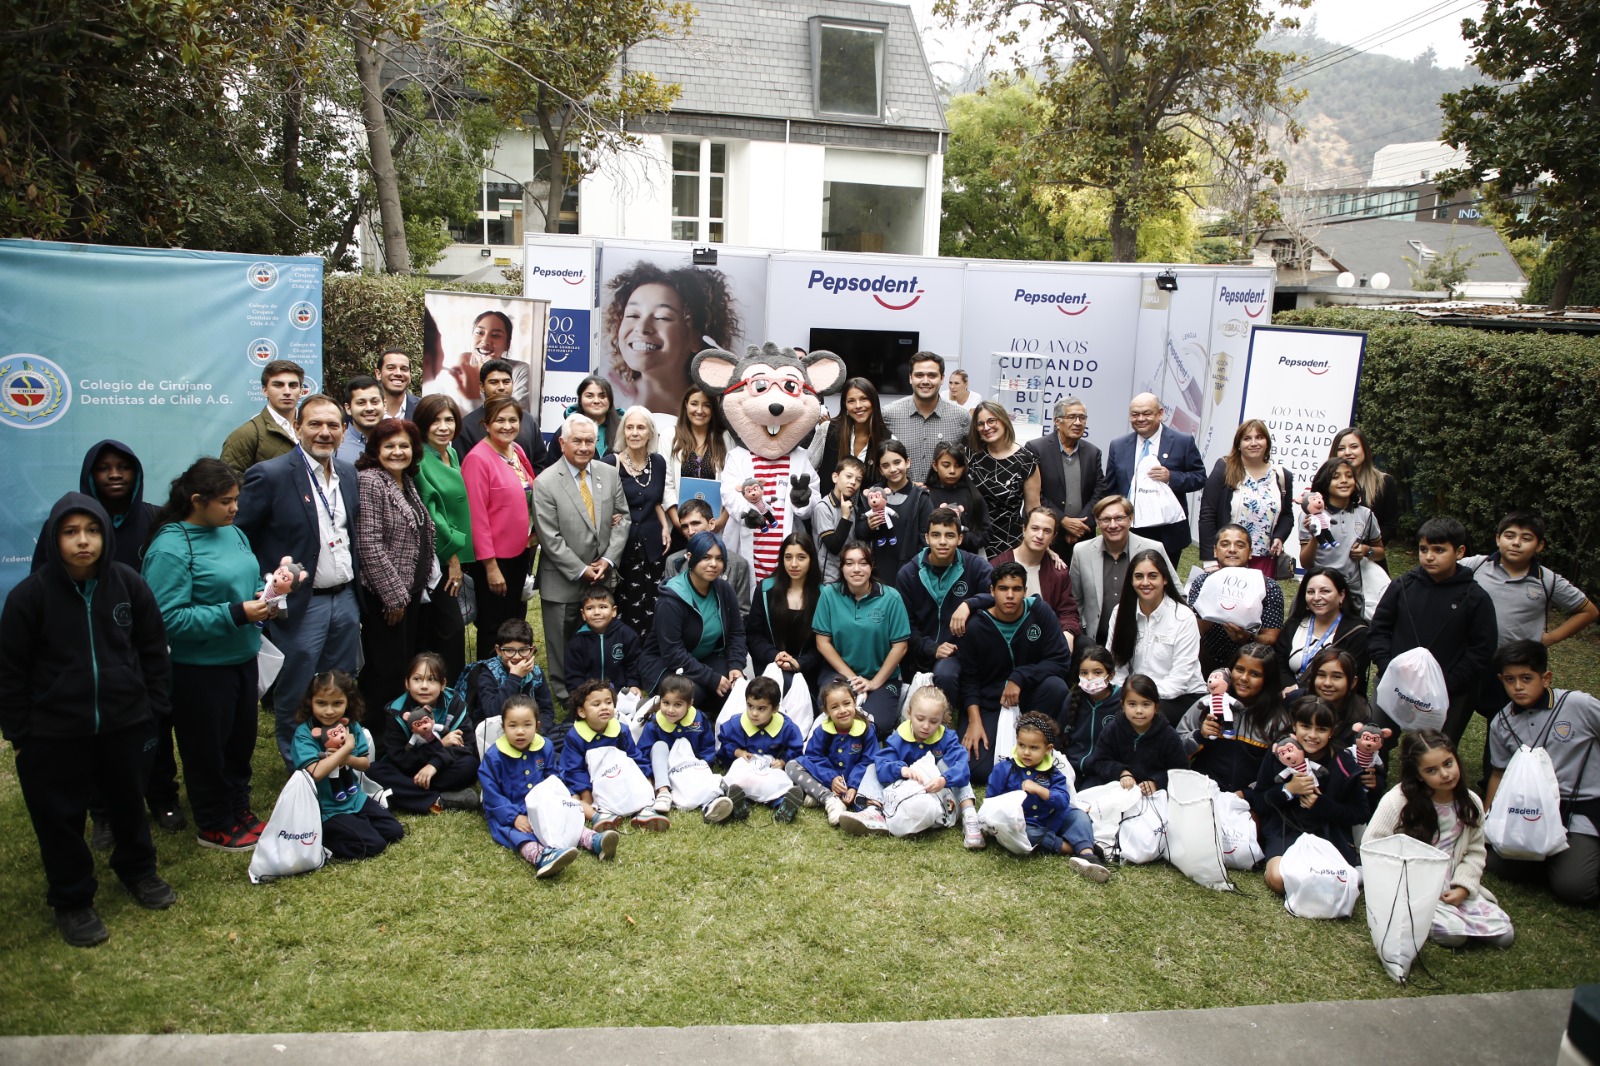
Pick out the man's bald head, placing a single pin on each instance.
(1144, 414)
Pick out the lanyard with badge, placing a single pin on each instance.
(327, 507)
(1313, 646)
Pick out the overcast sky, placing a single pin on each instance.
(1401, 28)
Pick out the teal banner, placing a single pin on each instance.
(161, 349)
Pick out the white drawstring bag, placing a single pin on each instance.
(488, 731)
(1142, 837)
(1005, 736)
(627, 706)
(1153, 501)
(693, 784)
(734, 705)
(1317, 881)
(1412, 691)
(917, 681)
(1374, 581)
(796, 703)
(292, 841)
(1524, 822)
(1002, 818)
(908, 807)
(1232, 594)
(1404, 879)
(1194, 842)
(761, 783)
(616, 782)
(269, 663)
(1240, 848)
(1107, 805)
(555, 814)
(642, 711)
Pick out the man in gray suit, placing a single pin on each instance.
(1100, 564)
(576, 507)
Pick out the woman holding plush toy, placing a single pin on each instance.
(210, 592)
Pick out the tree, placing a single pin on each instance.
(554, 65)
(1446, 272)
(1135, 85)
(1538, 130)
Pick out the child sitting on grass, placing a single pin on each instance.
(676, 719)
(926, 731)
(430, 754)
(485, 685)
(594, 728)
(837, 755)
(762, 733)
(1055, 826)
(334, 749)
(604, 647)
(513, 765)
(1141, 745)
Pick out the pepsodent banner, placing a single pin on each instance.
(562, 273)
(161, 349)
(1302, 384)
(847, 291)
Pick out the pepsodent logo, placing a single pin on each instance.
(1245, 297)
(308, 838)
(1314, 367)
(1061, 300)
(1529, 814)
(262, 276)
(1338, 875)
(879, 286)
(571, 277)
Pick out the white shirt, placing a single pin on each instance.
(974, 398)
(1167, 649)
(334, 564)
(283, 423)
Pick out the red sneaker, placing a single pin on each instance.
(227, 839)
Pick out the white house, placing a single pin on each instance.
(802, 124)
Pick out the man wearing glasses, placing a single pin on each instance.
(1100, 564)
(1071, 477)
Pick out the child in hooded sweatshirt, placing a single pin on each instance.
(430, 755)
(1091, 708)
(1141, 745)
(1231, 752)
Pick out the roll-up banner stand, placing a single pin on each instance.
(562, 272)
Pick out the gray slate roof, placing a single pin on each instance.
(753, 58)
(1373, 244)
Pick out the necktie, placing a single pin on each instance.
(588, 497)
(1144, 453)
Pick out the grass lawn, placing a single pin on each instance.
(752, 923)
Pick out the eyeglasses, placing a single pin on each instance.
(1072, 418)
(759, 385)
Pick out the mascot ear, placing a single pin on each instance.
(712, 371)
(826, 372)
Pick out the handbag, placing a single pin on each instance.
(1153, 501)
(1107, 805)
(1233, 594)
(693, 784)
(292, 841)
(1524, 821)
(908, 806)
(1241, 849)
(1317, 881)
(556, 816)
(616, 782)
(760, 782)
(796, 703)
(1142, 837)
(1194, 842)
(269, 663)
(467, 599)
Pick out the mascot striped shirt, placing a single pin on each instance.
(773, 475)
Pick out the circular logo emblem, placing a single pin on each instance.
(34, 392)
(1034, 631)
(262, 351)
(122, 614)
(960, 590)
(616, 653)
(303, 315)
(262, 276)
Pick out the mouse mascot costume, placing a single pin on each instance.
(771, 399)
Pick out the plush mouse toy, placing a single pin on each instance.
(1369, 741)
(424, 727)
(332, 739)
(1222, 704)
(771, 399)
(281, 582)
(1316, 510)
(1292, 754)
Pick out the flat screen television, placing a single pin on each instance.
(882, 356)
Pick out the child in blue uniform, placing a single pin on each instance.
(595, 726)
(604, 648)
(836, 756)
(677, 719)
(354, 826)
(510, 769)
(1055, 826)
(430, 755)
(762, 731)
(513, 670)
(926, 730)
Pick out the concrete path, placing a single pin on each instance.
(1495, 1029)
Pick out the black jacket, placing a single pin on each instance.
(930, 622)
(1342, 806)
(1453, 618)
(1092, 485)
(1148, 757)
(80, 659)
(1216, 508)
(1035, 653)
(612, 656)
(133, 526)
(675, 633)
(766, 640)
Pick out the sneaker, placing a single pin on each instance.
(170, 818)
(81, 927)
(854, 823)
(718, 810)
(877, 822)
(663, 801)
(463, 799)
(971, 832)
(100, 839)
(605, 821)
(252, 822)
(553, 861)
(650, 820)
(1089, 869)
(604, 844)
(741, 803)
(835, 808)
(788, 806)
(808, 800)
(152, 893)
(235, 839)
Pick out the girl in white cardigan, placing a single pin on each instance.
(1434, 805)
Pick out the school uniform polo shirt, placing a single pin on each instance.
(862, 630)
(1571, 739)
(1522, 604)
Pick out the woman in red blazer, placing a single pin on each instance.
(499, 480)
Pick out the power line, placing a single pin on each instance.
(1361, 43)
(1311, 68)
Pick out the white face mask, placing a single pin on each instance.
(1092, 685)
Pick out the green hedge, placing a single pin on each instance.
(1476, 423)
(1542, 281)
(362, 314)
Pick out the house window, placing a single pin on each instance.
(499, 218)
(699, 181)
(847, 67)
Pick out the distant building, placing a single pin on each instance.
(804, 124)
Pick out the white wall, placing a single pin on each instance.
(777, 196)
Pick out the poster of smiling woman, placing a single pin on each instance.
(461, 331)
(658, 309)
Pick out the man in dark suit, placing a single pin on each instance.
(1070, 476)
(303, 505)
(1178, 466)
(495, 380)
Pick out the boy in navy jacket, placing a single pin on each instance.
(604, 648)
(935, 586)
(513, 670)
(1055, 826)
(1013, 655)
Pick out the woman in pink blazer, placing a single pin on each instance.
(499, 482)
